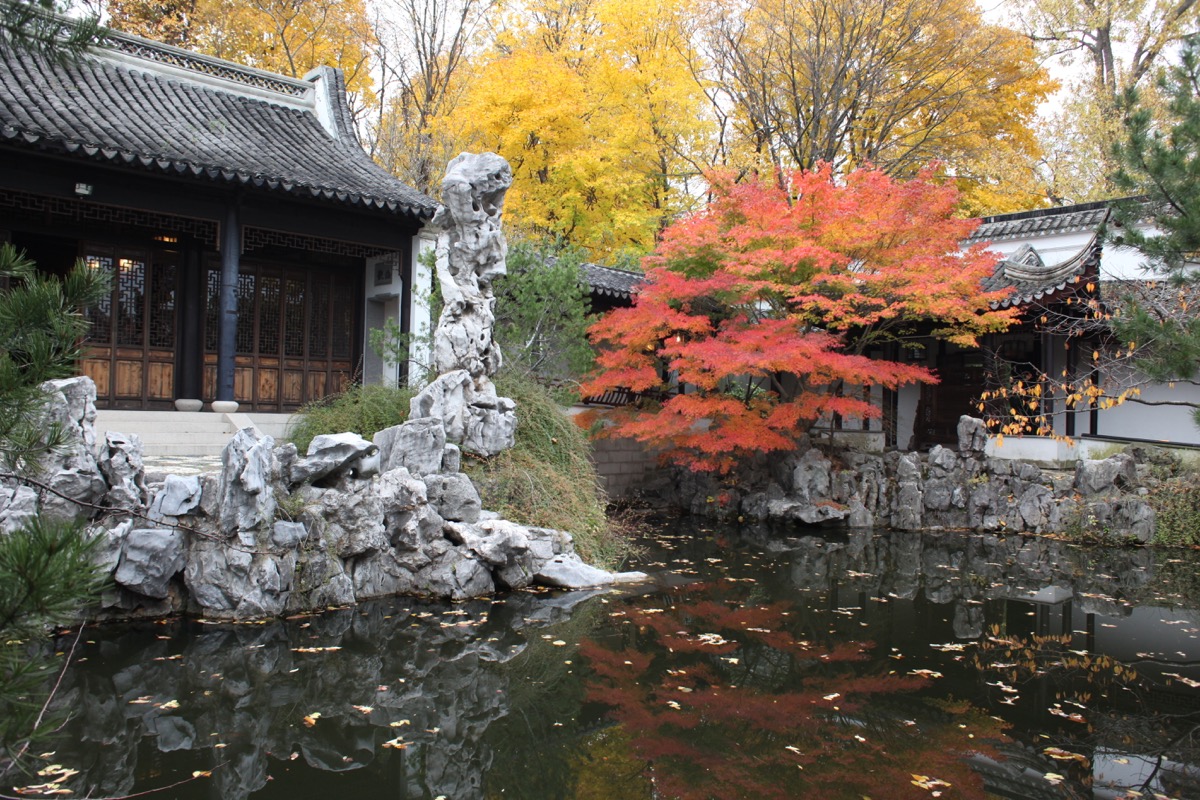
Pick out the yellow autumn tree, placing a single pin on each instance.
(593, 105)
(893, 83)
(290, 37)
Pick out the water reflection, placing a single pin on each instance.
(760, 665)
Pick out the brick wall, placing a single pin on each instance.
(623, 465)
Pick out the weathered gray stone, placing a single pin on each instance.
(470, 254)
(451, 459)
(18, 505)
(150, 557)
(942, 459)
(454, 574)
(71, 471)
(939, 493)
(124, 471)
(569, 572)
(335, 454)
(410, 523)
(418, 446)
(972, 437)
(447, 400)
(107, 552)
(383, 573)
(1135, 517)
(811, 478)
(497, 547)
(351, 519)
(471, 413)
(288, 535)
(544, 543)
(228, 582)
(247, 498)
(1094, 477)
(454, 497)
(178, 497)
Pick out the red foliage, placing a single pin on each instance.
(764, 306)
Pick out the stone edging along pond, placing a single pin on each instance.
(276, 532)
(944, 489)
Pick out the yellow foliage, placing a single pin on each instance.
(284, 36)
(594, 107)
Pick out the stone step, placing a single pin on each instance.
(183, 433)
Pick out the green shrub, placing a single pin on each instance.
(547, 479)
(364, 410)
(1176, 504)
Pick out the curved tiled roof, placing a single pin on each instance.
(1042, 222)
(611, 282)
(1029, 279)
(135, 113)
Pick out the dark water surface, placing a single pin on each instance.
(868, 665)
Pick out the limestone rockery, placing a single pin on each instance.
(944, 489)
(276, 531)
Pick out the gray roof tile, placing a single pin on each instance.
(143, 119)
(1041, 222)
(611, 282)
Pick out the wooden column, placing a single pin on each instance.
(231, 247)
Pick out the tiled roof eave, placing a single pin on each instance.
(1069, 273)
(183, 167)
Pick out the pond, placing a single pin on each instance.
(758, 664)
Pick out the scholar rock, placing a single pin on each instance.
(247, 498)
(121, 464)
(972, 437)
(417, 445)
(570, 572)
(454, 497)
(1094, 477)
(18, 505)
(335, 454)
(149, 559)
(229, 582)
(178, 497)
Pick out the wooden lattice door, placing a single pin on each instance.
(131, 344)
(295, 335)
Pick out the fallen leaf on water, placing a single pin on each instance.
(1072, 716)
(1184, 680)
(1058, 754)
(928, 783)
(311, 719)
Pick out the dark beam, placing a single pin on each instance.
(231, 251)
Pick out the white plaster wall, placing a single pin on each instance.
(1156, 423)
(420, 321)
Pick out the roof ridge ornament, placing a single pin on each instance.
(210, 66)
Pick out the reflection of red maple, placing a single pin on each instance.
(766, 304)
(718, 709)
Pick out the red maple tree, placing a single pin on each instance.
(758, 314)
